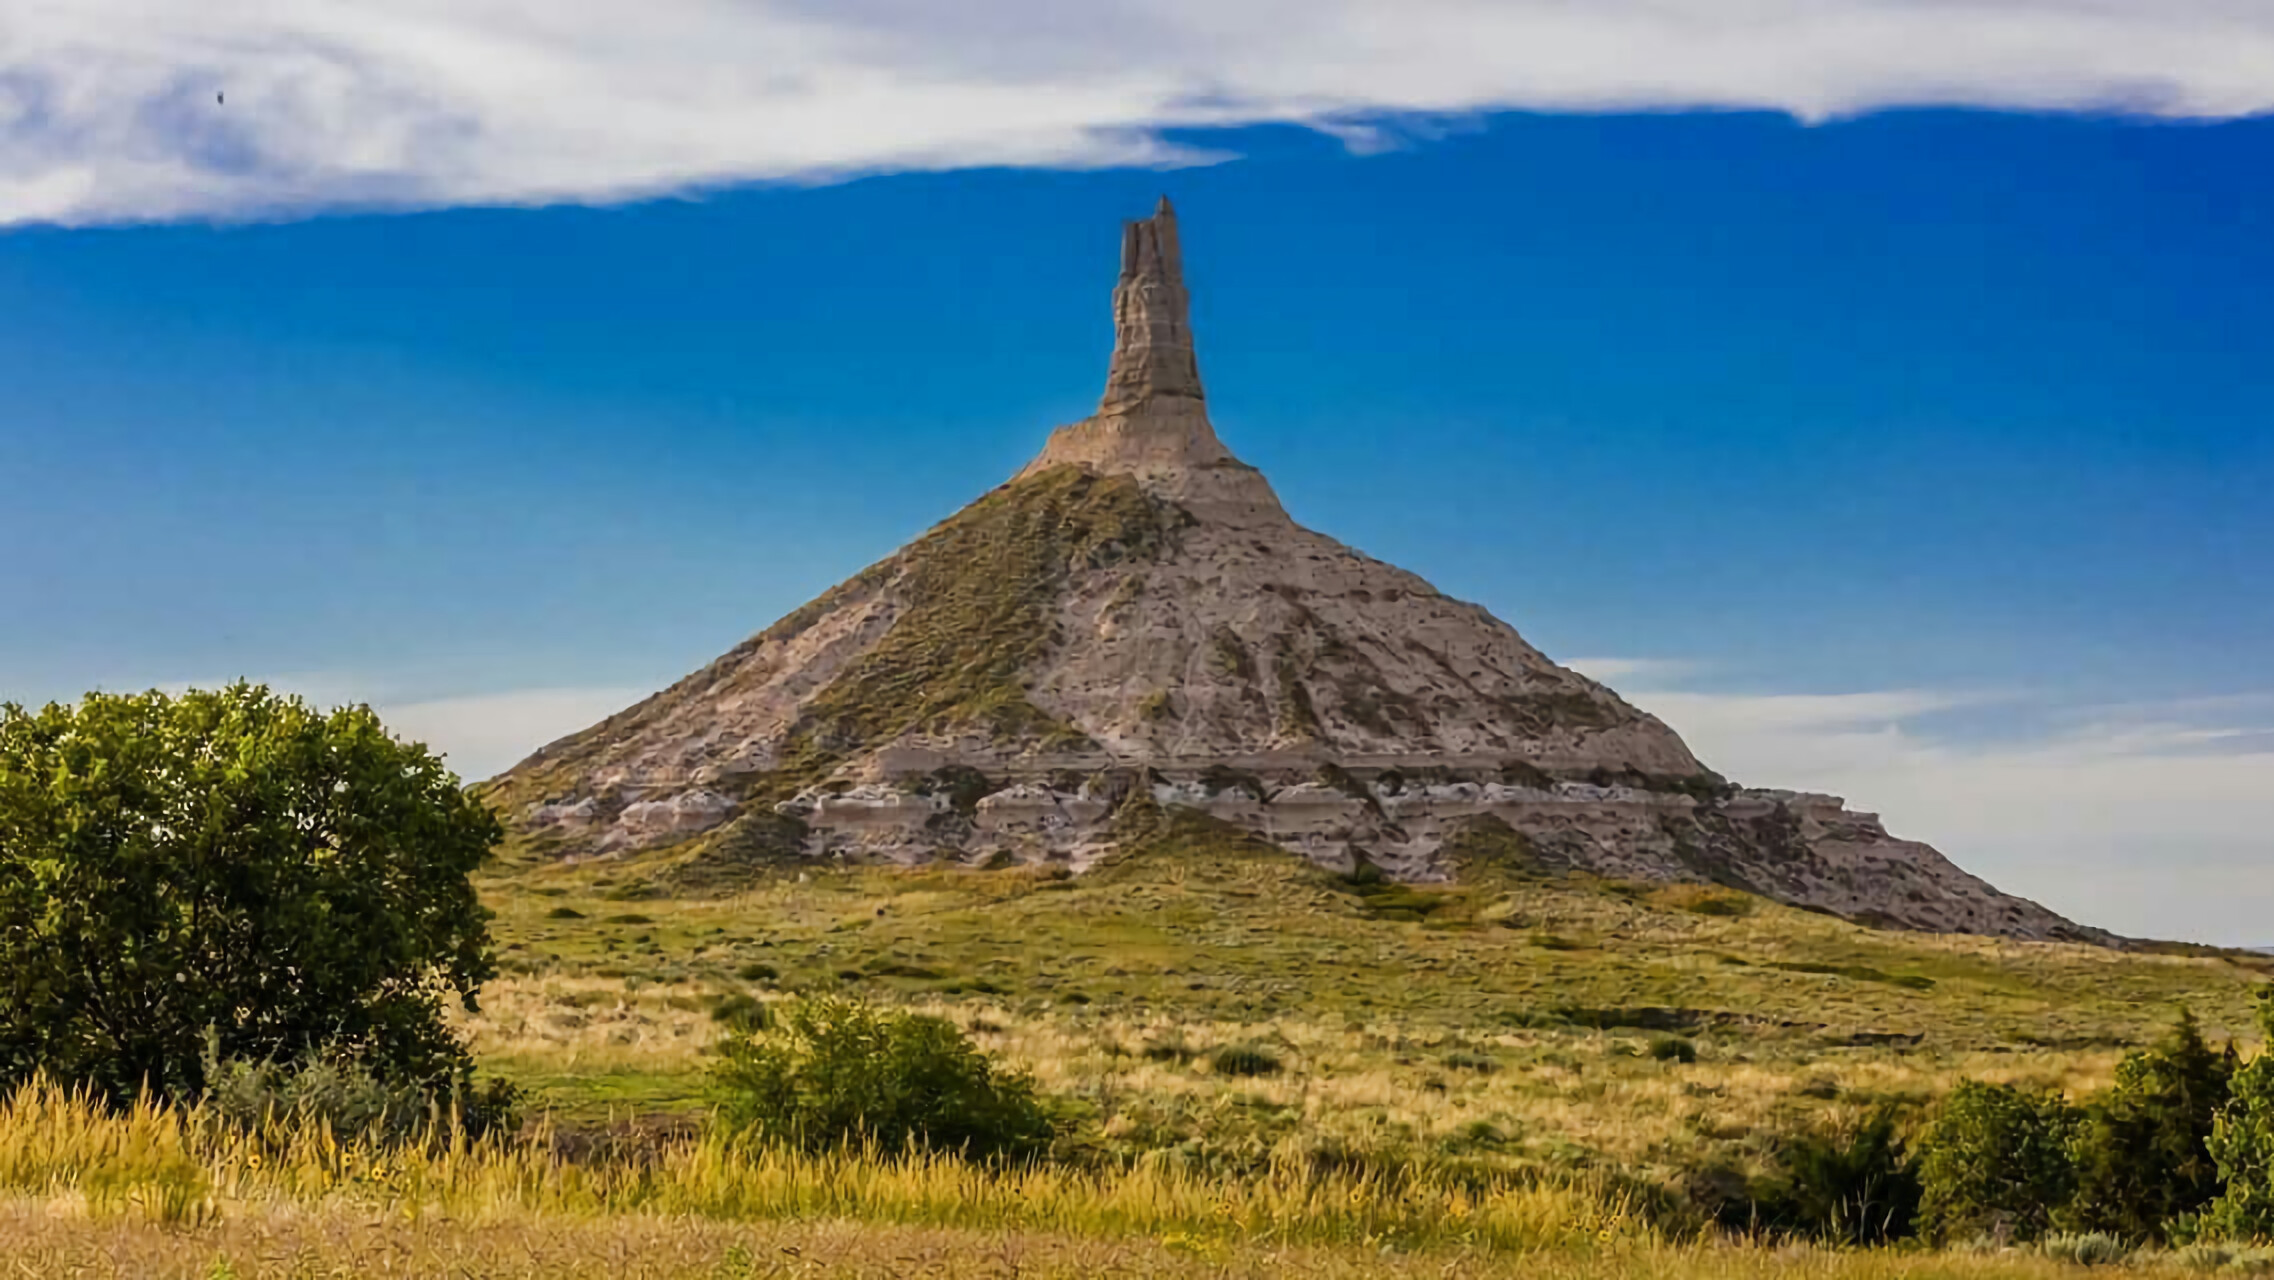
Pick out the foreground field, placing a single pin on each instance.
(1511, 1022)
(36, 1241)
(1264, 1068)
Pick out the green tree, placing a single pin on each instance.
(232, 862)
(2142, 1151)
(825, 1072)
(1849, 1184)
(1995, 1161)
(2242, 1143)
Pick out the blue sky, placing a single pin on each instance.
(1917, 454)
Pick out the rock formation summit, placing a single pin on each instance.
(1134, 620)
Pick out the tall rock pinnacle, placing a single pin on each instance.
(1153, 421)
(1152, 320)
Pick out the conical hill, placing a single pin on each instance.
(1133, 618)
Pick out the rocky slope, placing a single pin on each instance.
(1133, 619)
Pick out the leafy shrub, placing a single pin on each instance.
(1171, 1049)
(1851, 1184)
(1995, 1161)
(1673, 1049)
(2142, 1150)
(828, 1072)
(2089, 1249)
(1484, 1064)
(1244, 1060)
(295, 881)
(2242, 1143)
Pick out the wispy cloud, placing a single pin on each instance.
(482, 735)
(117, 110)
(2153, 818)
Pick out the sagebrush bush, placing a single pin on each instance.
(1995, 1160)
(1244, 1060)
(2087, 1249)
(343, 1095)
(828, 1072)
(2143, 1147)
(1673, 1049)
(1849, 1184)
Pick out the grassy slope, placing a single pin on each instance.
(1500, 1022)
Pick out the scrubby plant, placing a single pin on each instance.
(2142, 1148)
(2086, 1249)
(344, 1096)
(2202, 1257)
(829, 1072)
(1673, 1049)
(1995, 1160)
(2242, 1144)
(1244, 1060)
(1849, 1184)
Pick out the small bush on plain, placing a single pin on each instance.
(1995, 1161)
(2242, 1144)
(1852, 1184)
(1244, 1060)
(2143, 1147)
(2088, 1249)
(1673, 1049)
(343, 1095)
(830, 1072)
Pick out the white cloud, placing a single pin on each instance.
(485, 734)
(1654, 671)
(2149, 819)
(108, 111)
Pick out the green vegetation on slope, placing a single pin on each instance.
(979, 595)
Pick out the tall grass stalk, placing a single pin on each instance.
(179, 1165)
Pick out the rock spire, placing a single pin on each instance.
(1153, 358)
(1153, 421)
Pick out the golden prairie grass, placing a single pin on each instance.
(180, 1167)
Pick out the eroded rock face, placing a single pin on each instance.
(1135, 610)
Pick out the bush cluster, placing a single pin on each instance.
(2180, 1146)
(824, 1072)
